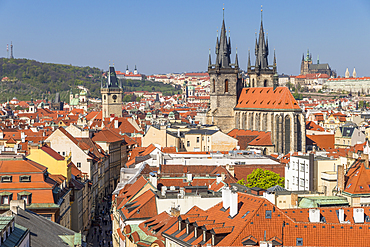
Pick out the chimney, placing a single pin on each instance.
(116, 123)
(189, 177)
(340, 178)
(226, 195)
(366, 162)
(358, 215)
(164, 190)
(341, 215)
(294, 199)
(219, 178)
(178, 133)
(159, 159)
(15, 204)
(153, 179)
(1, 135)
(23, 137)
(233, 204)
(314, 215)
(230, 170)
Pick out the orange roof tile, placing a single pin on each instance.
(267, 98)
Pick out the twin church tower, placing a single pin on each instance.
(262, 106)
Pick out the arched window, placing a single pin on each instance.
(213, 86)
(265, 83)
(226, 85)
(252, 83)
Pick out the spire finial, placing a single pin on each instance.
(217, 32)
(209, 51)
(223, 12)
(113, 63)
(229, 32)
(261, 12)
(109, 63)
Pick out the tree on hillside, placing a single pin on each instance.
(263, 179)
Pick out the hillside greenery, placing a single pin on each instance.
(32, 79)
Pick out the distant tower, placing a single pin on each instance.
(306, 62)
(262, 74)
(346, 75)
(111, 96)
(11, 50)
(135, 71)
(226, 84)
(354, 74)
(127, 71)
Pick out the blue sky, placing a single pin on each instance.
(175, 36)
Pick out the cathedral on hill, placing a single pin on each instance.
(307, 67)
(261, 107)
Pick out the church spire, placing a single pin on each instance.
(261, 48)
(249, 59)
(236, 58)
(223, 57)
(209, 59)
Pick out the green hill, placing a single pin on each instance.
(31, 79)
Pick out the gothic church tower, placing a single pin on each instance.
(226, 84)
(262, 74)
(111, 96)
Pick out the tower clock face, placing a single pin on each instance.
(114, 96)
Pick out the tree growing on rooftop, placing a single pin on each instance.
(263, 179)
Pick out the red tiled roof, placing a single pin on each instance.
(267, 98)
(322, 141)
(52, 152)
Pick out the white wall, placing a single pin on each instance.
(186, 203)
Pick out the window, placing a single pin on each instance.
(25, 198)
(188, 143)
(5, 199)
(299, 242)
(6, 179)
(78, 164)
(302, 182)
(226, 86)
(64, 153)
(198, 139)
(268, 214)
(302, 167)
(213, 86)
(25, 178)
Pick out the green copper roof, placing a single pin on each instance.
(74, 101)
(322, 201)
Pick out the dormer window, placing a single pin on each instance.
(25, 178)
(26, 196)
(6, 179)
(6, 197)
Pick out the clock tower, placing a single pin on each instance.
(111, 94)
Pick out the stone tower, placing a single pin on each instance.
(306, 62)
(111, 96)
(226, 84)
(262, 74)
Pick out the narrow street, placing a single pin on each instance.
(100, 233)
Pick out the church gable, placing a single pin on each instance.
(266, 98)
